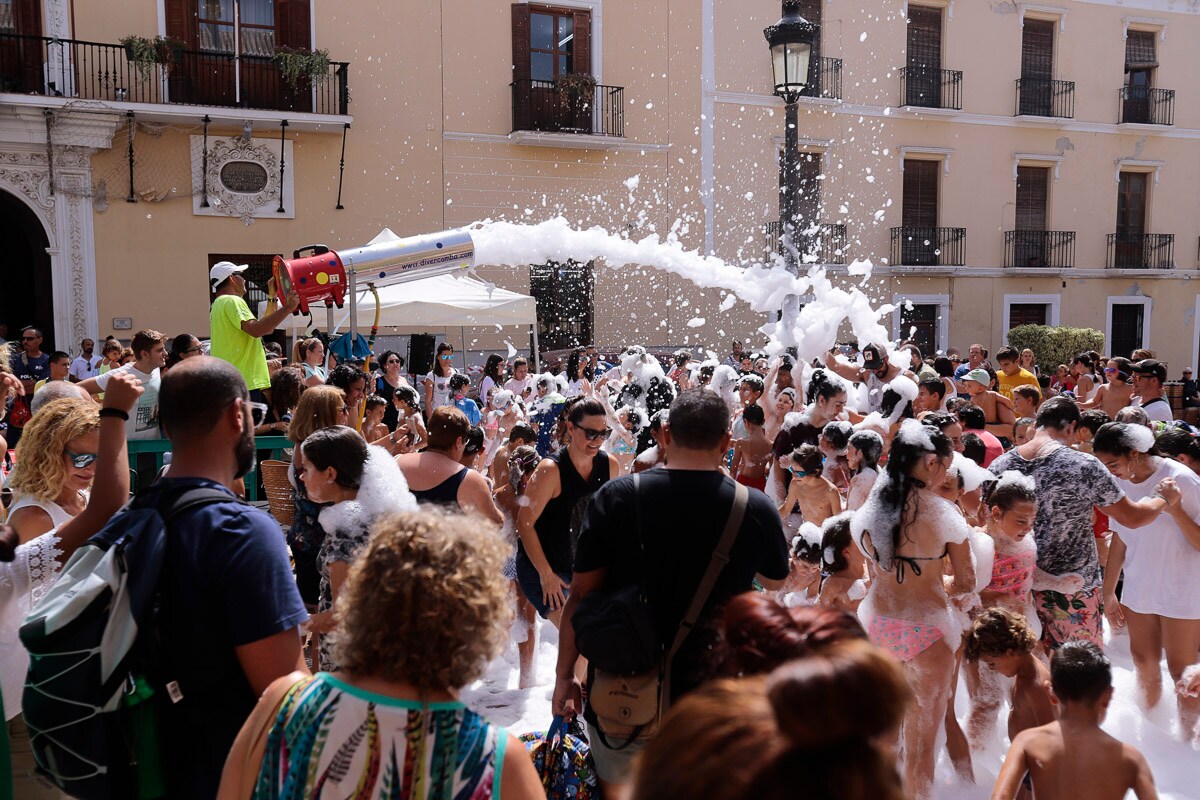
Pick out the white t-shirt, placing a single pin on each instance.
(143, 422)
(1162, 570)
(486, 387)
(519, 387)
(83, 368)
(441, 389)
(1158, 409)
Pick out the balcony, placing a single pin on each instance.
(922, 87)
(824, 79)
(1042, 97)
(542, 106)
(1141, 251)
(1049, 249)
(104, 72)
(929, 247)
(1146, 106)
(827, 242)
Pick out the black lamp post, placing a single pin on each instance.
(791, 40)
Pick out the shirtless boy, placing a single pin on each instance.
(752, 454)
(1073, 758)
(1003, 640)
(818, 498)
(997, 409)
(1111, 397)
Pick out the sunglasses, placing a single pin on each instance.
(258, 412)
(81, 460)
(592, 435)
(391, 361)
(447, 357)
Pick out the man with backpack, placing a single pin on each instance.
(681, 541)
(172, 620)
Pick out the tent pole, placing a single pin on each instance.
(537, 366)
(352, 277)
(328, 331)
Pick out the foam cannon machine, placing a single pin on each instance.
(320, 275)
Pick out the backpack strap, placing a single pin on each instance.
(193, 499)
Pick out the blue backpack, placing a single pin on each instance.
(92, 696)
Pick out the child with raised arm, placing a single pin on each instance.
(752, 454)
(845, 582)
(818, 498)
(1072, 758)
(1004, 641)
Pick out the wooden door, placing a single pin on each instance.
(923, 86)
(549, 42)
(1026, 314)
(1032, 191)
(919, 213)
(1141, 59)
(919, 325)
(1131, 220)
(1037, 67)
(22, 53)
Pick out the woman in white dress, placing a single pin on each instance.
(1160, 599)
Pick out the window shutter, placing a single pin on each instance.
(1032, 195)
(520, 40)
(920, 208)
(1037, 50)
(293, 24)
(27, 16)
(181, 21)
(1139, 50)
(582, 55)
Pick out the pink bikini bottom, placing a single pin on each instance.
(903, 639)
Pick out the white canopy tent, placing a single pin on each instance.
(443, 301)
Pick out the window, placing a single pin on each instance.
(1131, 220)
(923, 84)
(23, 70)
(1031, 309)
(564, 294)
(549, 41)
(223, 24)
(256, 276)
(926, 322)
(8, 23)
(1128, 325)
(811, 168)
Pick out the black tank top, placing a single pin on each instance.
(445, 493)
(558, 526)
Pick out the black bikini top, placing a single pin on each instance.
(912, 562)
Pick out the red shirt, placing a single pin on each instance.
(992, 449)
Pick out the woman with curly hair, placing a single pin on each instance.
(390, 723)
(908, 530)
(56, 461)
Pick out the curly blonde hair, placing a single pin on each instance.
(427, 601)
(317, 408)
(41, 471)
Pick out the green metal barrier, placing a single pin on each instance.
(157, 447)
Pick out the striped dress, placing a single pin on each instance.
(332, 740)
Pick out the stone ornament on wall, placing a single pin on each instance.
(243, 179)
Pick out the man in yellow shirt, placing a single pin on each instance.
(1011, 374)
(236, 333)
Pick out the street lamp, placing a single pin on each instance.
(791, 41)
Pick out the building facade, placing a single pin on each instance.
(998, 163)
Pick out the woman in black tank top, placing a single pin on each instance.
(558, 493)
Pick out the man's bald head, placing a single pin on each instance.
(56, 390)
(195, 393)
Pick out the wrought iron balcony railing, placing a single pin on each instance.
(929, 247)
(931, 88)
(1141, 251)
(1147, 105)
(99, 71)
(827, 242)
(544, 106)
(1050, 249)
(1042, 97)
(824, 79)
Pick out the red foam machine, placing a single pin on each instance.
(315, 273)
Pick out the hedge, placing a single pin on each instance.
(1054, 345)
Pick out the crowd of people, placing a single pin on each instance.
(761, 570)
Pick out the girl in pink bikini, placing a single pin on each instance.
(907, 530)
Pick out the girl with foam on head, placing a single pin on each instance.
(907, 530)
(1160, 599)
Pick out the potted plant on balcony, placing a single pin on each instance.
(577, 91)
(144, 53)
(297, 66)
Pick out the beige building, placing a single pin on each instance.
(998, 162)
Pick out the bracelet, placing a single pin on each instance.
(114, 412)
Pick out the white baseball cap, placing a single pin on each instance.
(222, 270)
